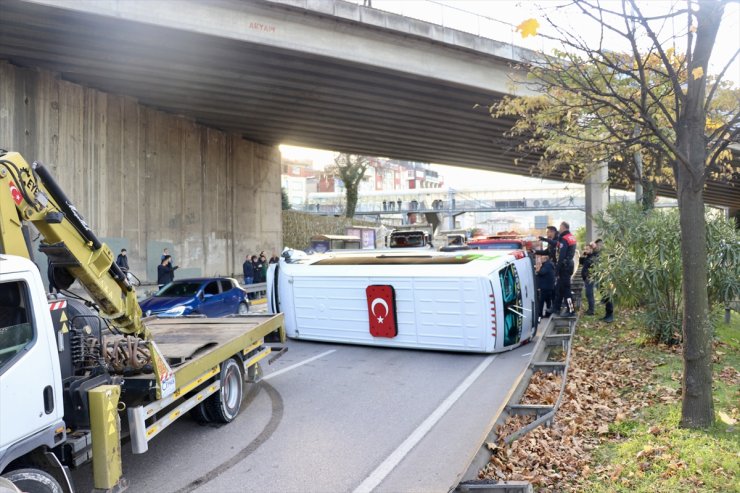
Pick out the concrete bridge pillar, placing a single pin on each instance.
(597, 197)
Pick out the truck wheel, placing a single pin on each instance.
(34, 481)
(200, 413)
(224, 405)
(243, 309)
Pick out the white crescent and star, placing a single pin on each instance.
(379, 301)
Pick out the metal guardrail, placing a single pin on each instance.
(558, 332)
(254, 288)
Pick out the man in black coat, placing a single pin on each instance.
(587, 261)
(546, 284)
(165, 272)
(564, 270)
(552, 244)
(122, 261)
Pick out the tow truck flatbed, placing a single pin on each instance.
(194, 345)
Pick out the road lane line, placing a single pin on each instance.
(296, 365)
(385, 468)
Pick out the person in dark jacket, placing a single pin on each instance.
(166, 272)
(564, 270)
(587, 261)
(122, 261)
(605, 297)
(546, 284)
(248, 269)
(552, 244)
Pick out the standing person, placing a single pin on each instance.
(385, 205)
(546, 284)
(399, 204)
(122, 261)
(552, 244)
(564, 270)
(248, 269)
(274, 259)
(587, 261)
(606, 299)
(166, 272)
(263, 270)
(166, 253)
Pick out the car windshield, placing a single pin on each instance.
(177, 289)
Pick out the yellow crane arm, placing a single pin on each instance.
(30, 193)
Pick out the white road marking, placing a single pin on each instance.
(296, 365)
(385, 468)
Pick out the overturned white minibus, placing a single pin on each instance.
(477, 302)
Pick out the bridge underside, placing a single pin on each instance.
(272, 95)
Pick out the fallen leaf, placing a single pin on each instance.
(528, 27)
(726, 419)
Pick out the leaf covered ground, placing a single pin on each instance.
(617, 427)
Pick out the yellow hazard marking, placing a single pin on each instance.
(112, 429)
(65, 329)
(109, 407)
(63, 318)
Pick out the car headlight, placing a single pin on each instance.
(176, 310)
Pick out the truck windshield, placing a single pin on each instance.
(407, 240)
(177, 289)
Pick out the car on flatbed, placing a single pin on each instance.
(209, 296)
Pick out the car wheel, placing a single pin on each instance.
(242, 309)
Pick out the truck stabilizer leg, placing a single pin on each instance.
(106, 439)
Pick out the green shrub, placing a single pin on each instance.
(640, 264)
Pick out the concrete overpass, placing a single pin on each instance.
(242, 77)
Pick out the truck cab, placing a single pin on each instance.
(31, 415)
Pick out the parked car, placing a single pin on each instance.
(212, 297)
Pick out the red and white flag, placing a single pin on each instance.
(381, 310)
(15, 193)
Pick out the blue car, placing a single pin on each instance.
(212, 297)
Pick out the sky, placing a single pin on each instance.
(497, 19)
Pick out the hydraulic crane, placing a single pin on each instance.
(72, 247)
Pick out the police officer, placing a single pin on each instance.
(552, 244)
(564, 270)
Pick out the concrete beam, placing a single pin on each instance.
(331, 29)
(597, 197)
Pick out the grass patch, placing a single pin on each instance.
(648, 452)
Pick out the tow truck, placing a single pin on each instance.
(78, 376)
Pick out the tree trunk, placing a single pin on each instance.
(351, 200)
(697, 409)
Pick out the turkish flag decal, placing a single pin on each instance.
(381, 310)
(15, 193)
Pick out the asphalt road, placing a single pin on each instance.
(332, 418)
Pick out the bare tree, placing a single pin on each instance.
(351, 170)
(654, 101)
